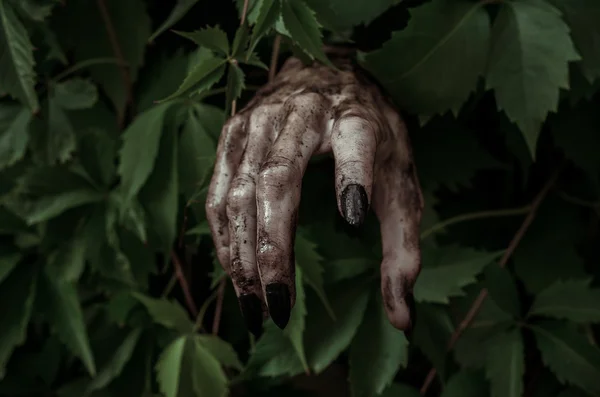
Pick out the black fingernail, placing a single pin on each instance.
(410, 302)
(278, 299)
(252, 312)
(355, 204)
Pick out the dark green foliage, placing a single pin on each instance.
(109, 284)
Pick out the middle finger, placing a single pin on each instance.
(278, 198)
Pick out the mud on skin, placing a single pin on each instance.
(262, 155)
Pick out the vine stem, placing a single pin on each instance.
(87, 63)
(512, 246)
(474, 216)
(189, 300)
(116, 47)
(274, 58)
(221, 291)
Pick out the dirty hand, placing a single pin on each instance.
(262, 155)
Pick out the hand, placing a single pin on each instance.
(262, 155)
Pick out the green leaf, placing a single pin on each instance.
(140, 147)
(37, 10)
(545, 243)
(98, 152)
(220, 350)
(377, 352)
(268, 14)
(19, 289)
(68, 263)
(235, 83)
(50, 206)
(173, 368)
(349, 14)
(160, 193)
(572, 392)
(312, 267)
(115, 365)
(16, 59)
(325, 337)
(75, 93)
(505, 364)
(575, 131)
(502, 289)
(8, 261)
(465, 384)
(567, 353)
(208, 376)
(61, 141)
(210, 37)
(196, 148)
(162, 77)
(444, 140)
(50, 191)
(399, 390)
(444, 47)
(203, 76)
(446, 271)
(131, 26)
(254, 60)
(274, 355)
(295, 328)
(202, 229)
(169, 314)
(240, 41)
(571, 300)
(303, 27)
(14, 134)
(187, 368)
(178, 12)
(527, 73)
(63, 310)
(582, 17)
(490, 321)
(431, 334)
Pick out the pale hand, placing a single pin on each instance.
(262, 155)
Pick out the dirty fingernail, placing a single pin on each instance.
(278, 299)
(252, 312)
(355, 204)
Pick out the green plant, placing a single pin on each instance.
(108, 280)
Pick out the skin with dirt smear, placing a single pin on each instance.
(263, 152)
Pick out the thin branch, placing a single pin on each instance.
(274, 58)
(578, 201)
(474, 216)
(244, 12)
(116, 47)
(476, 306)
(218, 308)
(221, 291)
(87, 63)
(184, 284)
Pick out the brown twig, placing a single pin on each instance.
(189, 300)
(218, 308)
(116, 47)
(274, 58)
(221, 291)
(476, 306)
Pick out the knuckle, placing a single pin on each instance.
(241, 195)
(279, 171)
(263, 114)
(233, 124)
(303, 100)
(212, 206)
